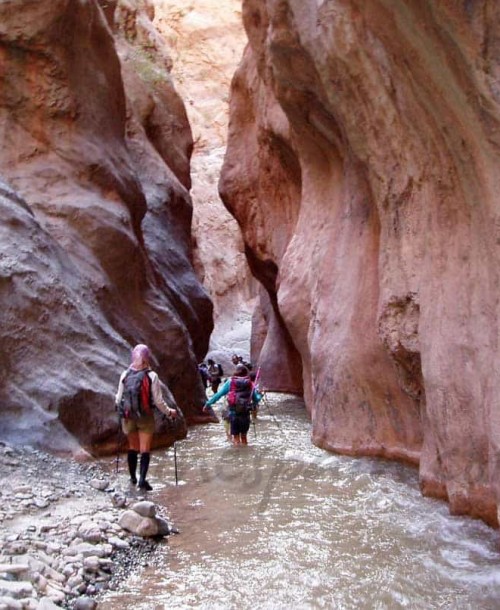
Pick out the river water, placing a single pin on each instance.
(281, 524)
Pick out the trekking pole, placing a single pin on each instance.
(266, 402)
(181, 414)
(118, 445)
(255, 389)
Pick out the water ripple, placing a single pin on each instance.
(282, 524)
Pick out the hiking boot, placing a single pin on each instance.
(143, 484)
(132, 465)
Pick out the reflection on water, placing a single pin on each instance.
(282, 524)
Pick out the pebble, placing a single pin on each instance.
(65, 556)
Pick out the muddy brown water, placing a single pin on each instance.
(282, 524)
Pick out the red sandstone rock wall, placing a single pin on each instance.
(95, 252)
(363, 166)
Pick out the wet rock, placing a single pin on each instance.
(163, 527)
(138, 525)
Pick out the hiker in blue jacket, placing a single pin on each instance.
(139, 390)
(242, 398)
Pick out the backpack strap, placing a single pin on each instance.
(231, 398)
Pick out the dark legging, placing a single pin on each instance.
(239, 423)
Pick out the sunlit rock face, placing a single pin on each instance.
(363, 167)
(207, 40)
(95, 248)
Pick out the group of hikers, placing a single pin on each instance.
(242, 400)
(139, 391)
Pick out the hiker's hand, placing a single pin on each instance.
(173, 413)
(206, 409)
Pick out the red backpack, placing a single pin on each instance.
(240, 395)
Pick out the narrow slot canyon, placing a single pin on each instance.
(311, 185)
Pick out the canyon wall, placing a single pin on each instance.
(363, 168)
(207, 39)
(95, 251)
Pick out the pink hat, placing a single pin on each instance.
(141, 355)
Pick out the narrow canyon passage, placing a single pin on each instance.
(283, 524)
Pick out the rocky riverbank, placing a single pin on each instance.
(65, 531)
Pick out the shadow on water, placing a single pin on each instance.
(282, 524)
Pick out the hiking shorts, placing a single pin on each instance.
(240, 424)
(146, 424)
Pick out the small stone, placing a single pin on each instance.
(29, 603)
(9, 603)
(144, 508)
(163, 527)
(74, 581)
(42, 582)
(41, 503)
(91, 563)
(16, 589)
(85, 603)
(83, 548)
(141, 526)
(68, 569)
(99, 484)
(53, 548)
(118, 543)
(90, 532)
(55, 594)
(16, 548)
(14, 568)
(47, 604)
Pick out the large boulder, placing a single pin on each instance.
(362, 167)
(96, 214)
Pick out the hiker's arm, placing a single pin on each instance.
(119, 392)
(222, 392)
(158, 396)
(257, 397)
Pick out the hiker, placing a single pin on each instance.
(241, 396)
(226, 421)
(203, 370)
(215, 373)
(235, 359)
(138, 392)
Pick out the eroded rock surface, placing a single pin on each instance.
(207, 40)
(95, 251)
(363, 168)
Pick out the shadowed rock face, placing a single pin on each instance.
(363, 168)
(95, 249)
